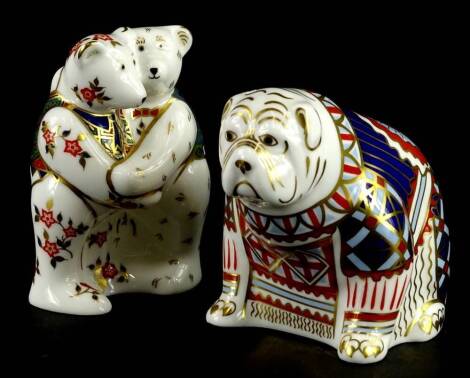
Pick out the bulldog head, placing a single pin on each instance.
(273, 147)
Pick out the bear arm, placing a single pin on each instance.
(71, 151)
(162, 151)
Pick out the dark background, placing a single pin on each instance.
(399, 66)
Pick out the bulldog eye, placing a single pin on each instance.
(230, 136)
(268, 140)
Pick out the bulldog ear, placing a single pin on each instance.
(309, 120)
(183, 37)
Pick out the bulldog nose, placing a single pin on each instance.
(154, 71)
(243, 166)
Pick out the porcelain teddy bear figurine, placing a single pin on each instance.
(334, 226)
(109, 205)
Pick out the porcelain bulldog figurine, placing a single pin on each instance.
(110, 204)
(334, 226)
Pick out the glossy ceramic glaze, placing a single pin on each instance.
(116, 153)
(334, 226)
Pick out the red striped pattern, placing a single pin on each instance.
(369, 316)
(230, 255)
(347, 136)
(313, 218)
(231, 277)
(334, 109)
(351, 169)
(340, 200)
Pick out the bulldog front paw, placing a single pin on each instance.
(226, 312)
(362, 348)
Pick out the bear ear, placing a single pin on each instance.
(122, 29)
(124, 34)
(183, 37)
(90, 52)
(309, 120)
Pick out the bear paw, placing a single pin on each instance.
(178, 278)
(362, 348)
(75, 299)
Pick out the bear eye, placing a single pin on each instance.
(123, 67)
(141, 48)
(133, 61)
(230, 136)
(268, 140)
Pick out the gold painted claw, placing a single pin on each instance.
(370, 346)
(215, 307)
(227, 307)
(429, 317)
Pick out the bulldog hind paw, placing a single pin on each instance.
(362, 348)
(427, 322)
(226, 312)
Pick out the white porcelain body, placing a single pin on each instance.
(320, 237)
(111, 208)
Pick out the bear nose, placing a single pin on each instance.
(243, 166)
(154, 71)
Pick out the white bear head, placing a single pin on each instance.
(277, 146)
(159, 54)
(100, 74)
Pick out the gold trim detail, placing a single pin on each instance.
(427, 321)
(277, 316)
(369, 347)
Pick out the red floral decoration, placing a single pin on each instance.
(72, 147)
(50, 248)
(88, 94)
(99, 238)
(62, 242)
(70, 232)
(47, 217)
(95, 92)
(48, 136)
(109, 270)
